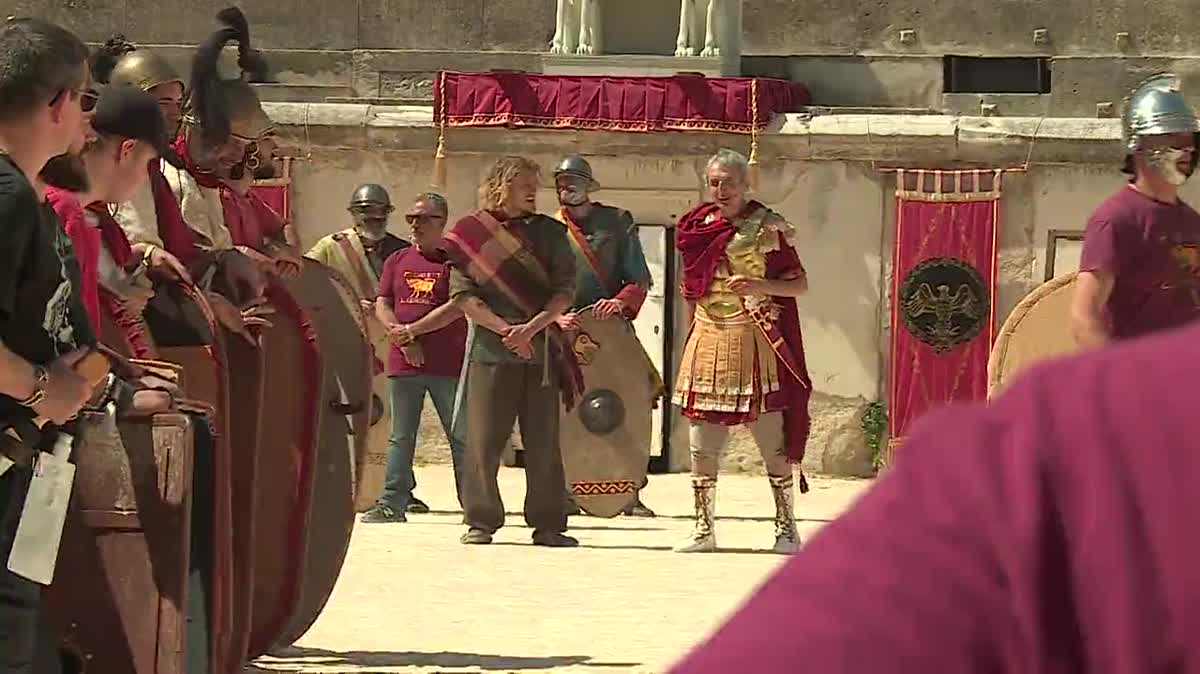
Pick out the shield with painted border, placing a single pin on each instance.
(606, 437)
(344, 418)
(1038, 329)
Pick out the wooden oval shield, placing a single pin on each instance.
(287, 464)
(606, 437)
(119, 592)
(345, 416)
(185, 332)
(1038, 329)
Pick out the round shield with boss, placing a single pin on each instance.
(1038, 329)
(606, 437)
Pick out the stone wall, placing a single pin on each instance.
(388, 50)
(821, 172)
(997, 28)
(459, 25)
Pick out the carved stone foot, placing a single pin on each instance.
(711, 50)
(685, 51)
(585, 49)
(557, 48)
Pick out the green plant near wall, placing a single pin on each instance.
(874, 427)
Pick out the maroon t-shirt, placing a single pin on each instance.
(1052, 531)
(416, 286)
(1152, 249)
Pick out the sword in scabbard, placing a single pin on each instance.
(775, 339)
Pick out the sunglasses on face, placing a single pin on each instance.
(413, 219)
(87, 98)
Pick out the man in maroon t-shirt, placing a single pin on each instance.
(1140, 267)
(428, 336)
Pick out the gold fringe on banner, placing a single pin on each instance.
(753, 178)
(439, 157)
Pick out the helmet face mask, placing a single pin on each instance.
(573, 181)
(370, 207)
(1154, 123)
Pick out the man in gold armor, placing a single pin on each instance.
(743, 364)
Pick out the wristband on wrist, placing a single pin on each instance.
(40, 378)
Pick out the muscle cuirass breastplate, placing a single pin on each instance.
(744, 256)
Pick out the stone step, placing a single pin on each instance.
(302, 93)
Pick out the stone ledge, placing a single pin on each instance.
(914, 139)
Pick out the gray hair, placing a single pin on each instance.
(732, 160)
(437, 200)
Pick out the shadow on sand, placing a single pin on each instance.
(359, 661)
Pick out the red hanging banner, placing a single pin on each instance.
(943, 291)
(277, 192)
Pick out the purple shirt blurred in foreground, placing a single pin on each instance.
(1055, 530)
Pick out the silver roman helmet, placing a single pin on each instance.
(371, 195)
(1157, 108)
(577, 167)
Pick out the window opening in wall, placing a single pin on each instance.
(996, 75)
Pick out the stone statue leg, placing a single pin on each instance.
(586, 15)
(561, 27)
(597, 26)
(683, 46)
(713, 22)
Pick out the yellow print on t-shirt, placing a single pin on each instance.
(1187, 256)
(420, 287)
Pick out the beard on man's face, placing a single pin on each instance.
(66, 172)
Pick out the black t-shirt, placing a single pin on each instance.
(41, 308)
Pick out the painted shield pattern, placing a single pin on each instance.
(606, 437)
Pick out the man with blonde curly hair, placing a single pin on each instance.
(513, 274)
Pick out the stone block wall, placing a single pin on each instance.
(880, 53)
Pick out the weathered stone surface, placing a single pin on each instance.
(899, 81)
(840, 444)
(285, 24)
(468, 25)
(92, 20)
(998, 28)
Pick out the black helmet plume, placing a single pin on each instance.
(105, 58)
(211, 98)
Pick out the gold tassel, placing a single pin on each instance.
(439, 163)
(439, 157)
(753, 178)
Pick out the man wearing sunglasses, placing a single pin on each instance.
(1139, 271)
(428, 341)
(359, 253)
(44, 100)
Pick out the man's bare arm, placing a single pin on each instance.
(553, 309)
(474, 309)
(384, 312)
(1088, 324)
(436, 320)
